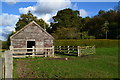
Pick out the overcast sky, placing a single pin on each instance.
(45, 9)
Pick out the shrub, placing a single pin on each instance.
(88, 42)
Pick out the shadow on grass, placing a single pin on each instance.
(66, 54)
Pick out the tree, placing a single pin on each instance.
(27, 18)
(67, 24)
(66, 18)
(105, 27)
(101, 12)
(66, 33)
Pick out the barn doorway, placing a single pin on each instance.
(30, 44)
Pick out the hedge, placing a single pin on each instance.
(88, 42)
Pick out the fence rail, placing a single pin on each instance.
(86, 50)
(22, 52)
(49, 51)
(75, 50)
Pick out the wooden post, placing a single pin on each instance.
(33, 50)
(45, 54)
(48, 52)
(52, 50)
(78, 50)
(11, 49)
(94, 48)
(68, 49)
(59, 48)
(73, 48)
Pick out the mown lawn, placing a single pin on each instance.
(103, 64)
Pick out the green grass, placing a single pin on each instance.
(103, 64)
(88, 42)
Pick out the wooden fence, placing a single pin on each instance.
(49, 51)
(75, 50)
(86, 50)
(21, 52)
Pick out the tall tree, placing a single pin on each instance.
(105, 28)
(66, 18)
(27, 18)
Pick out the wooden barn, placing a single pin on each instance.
(32, 40)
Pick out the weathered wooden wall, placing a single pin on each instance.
(32, 33)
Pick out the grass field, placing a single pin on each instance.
(103, 64)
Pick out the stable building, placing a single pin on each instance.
(32, 36)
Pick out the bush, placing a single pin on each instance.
(5, 45)
(87, 42)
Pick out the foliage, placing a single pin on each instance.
(96, 25)
(66, 33)
(27, 18)
(103, 25)
(6, 44)
(68, 25)
(88, 42)
(104, 64)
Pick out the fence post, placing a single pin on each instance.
(94, 48)
(8, 64)
(46, 53)
(68, 49)
(33, 50)
(53, 51)
(59, 48)
(78, 50)
(11, 49)
(73, 48)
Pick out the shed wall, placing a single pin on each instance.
(31, 33)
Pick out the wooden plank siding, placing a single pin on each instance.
(31, 32)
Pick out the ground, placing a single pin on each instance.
(103, 64)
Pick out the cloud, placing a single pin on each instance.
(74, 6)
(51, 6)
(46, 9)
(8, 19)
(83, 13)
(25, 10)
(7, 24)
(110, 9)
(4, 32)
(10, 1)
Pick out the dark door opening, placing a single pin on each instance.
(30, 44)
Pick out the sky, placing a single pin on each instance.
(11, 10)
